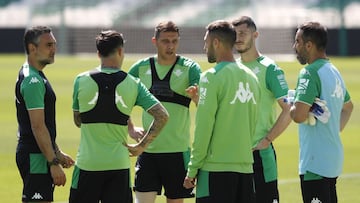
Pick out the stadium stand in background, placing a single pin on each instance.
(76, 22)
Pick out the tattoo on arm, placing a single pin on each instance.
(160, 118)
(57, 149)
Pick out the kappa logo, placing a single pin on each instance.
(316, 200)
(34, 80)
(118, 98)
(94, 100)
(244, 94)
(37, 196)
(338, 91)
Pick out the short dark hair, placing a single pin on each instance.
(314, 32)
(245, 20)
(108, 41)
(165, 26)
(223, 30)
(32, 35)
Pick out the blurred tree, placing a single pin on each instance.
(50, 7)
(334, 3)
(4, 3)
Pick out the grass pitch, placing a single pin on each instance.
(62, 73)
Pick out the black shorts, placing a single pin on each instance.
(229, 187)
(111, 186)
(156, 170)
(265, 175)
(37, 181)
(316, 188)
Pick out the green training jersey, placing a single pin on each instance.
(225, 120)
(273, 86)
(101, 144)
(175, 136)
(321, 149)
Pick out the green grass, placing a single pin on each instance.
(62, 73)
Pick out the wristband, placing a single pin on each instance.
(54, 162)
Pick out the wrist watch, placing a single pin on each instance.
(55, 161)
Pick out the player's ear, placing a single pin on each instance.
(256, 34)
(309, 45)
(216, 42)
(153, 40)
(120, 51)
(31, 47)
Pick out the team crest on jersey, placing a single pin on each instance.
(276, 68)
(148, 72)
(244, 94)
(256, 70)
(304, 72)
(178, 72)
(34, 80)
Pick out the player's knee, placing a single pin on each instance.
(145, 197)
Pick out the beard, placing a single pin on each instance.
(211, 58)
(45, 62)
(246, 46)
(211, 55)
(301, 57)
(240, 51)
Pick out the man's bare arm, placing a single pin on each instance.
(41, 133)
(345, 114)
(42, 137)
(299, 112)
(161, 116)
(279, 126)
(77, 119)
